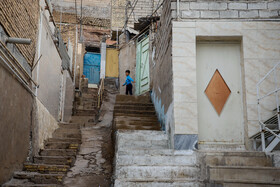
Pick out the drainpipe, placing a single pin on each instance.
(178, 9)
(39, 51)
(75, 62)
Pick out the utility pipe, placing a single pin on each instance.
(178, 9)
(25, 41)
(39, 51)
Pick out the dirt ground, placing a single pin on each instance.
(94, 164)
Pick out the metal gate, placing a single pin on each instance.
(142, 65)
(92, 67)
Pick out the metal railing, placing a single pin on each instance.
(100, 93)
(269, 129)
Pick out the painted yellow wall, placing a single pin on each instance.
(112, 63)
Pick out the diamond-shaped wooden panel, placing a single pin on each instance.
(217, 92)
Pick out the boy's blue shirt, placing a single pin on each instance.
(128, 80)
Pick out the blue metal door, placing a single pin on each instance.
(92, 67)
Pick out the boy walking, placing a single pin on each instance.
(128, 83)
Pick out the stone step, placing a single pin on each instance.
(155, 160)
(250, 184)
(156, 152)
(39, 178)
(134, 99)
(85, 112)
(93, 95)
(156, 173)
(134, 104)
(134, 107)
(46, 168)
(123, 183)
(55, 160)
(61, 145)
(238, 159)
(66, 140)
(67, 135)
(137, 127)
(24, 183)
(69, 125)
(141, 135)
(243, 173)
(137, 123)
(145, 144)
(58, 152)
(136, 119)
(134, 113)
(68, 130)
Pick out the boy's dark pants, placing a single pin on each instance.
(129, 89)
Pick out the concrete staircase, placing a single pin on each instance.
(142, 154)
(49, 168)
(135, 113)
(53, 162)
(144, 159)
(229, 169)
(85, 103)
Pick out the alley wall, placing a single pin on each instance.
(20, 19)
(127, 61)
(15, 124)
(161, 74)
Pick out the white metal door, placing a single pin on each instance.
(220, 111)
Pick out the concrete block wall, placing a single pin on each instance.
(143, 8)
(20, 19)
(192, 9)
(91, 8)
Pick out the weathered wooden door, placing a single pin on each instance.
(220, 111)
(142, 66)
(92, 67)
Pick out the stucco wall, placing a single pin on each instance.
(68, 96)
(127, 61)
(260, 49)
(45, 125)
(15, 124)
(49, 69)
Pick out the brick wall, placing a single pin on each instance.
(161, 74)
(251, 9)
(20, 19)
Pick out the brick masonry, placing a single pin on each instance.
(21, 19)
(192, 9)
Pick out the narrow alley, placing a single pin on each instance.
(139, 93)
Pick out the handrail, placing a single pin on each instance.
(100, 93)
(276, 91)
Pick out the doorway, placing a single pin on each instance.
(92, 67)
(219, 86)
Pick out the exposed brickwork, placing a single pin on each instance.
(251, 9)
(161, 70)
(72, 18)
(20, 19)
